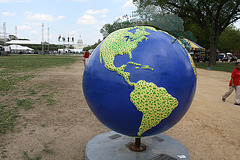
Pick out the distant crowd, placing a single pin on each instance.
(219, 58)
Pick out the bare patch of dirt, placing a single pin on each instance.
(61, 128)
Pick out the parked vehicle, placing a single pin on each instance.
(229, 55)
(220, 56)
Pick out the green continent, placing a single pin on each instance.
(155, 103)
(136, 64)
(143, 66)
(147, 67)
(119, 43)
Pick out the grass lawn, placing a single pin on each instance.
(18, 68)
(226, 67)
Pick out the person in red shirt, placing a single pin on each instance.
(86, 56)
(234, 84)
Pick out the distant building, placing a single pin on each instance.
(80, 44)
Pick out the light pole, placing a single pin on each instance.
(42, 38)
(48, 40)
(4, 33)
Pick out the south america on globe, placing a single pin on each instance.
(139, 81)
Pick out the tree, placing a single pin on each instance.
(210, 15)
(199, 33)
(105, 30)
(229, 40)
(151, 16)
(169, 22)
(120, 23)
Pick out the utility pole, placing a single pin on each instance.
(16, 31)
(4, 33)
(48, 40)
(42, 38)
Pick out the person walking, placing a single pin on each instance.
(234, 84)
(86, 56)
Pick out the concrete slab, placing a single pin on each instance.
(114, 146)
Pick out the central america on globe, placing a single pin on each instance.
(139, 81)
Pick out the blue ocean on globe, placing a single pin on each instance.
(139, 81)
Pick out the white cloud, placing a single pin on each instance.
(40, 17)
(44, 17)
(103, 16)
(9, 1)
(103, 11)
(87, 19)
(129, 4)
(23, 27)
(60, 17)
(8, 13)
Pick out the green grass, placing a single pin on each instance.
(25, 104)
(7, 81)
(18, 68)
(8, 118)
(226, 67)
(23, 63)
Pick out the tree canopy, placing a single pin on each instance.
(151, 16)
(210, 15)
(229, 40)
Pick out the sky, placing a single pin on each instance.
(63, 17)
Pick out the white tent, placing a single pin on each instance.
(22, 42)
(19, 47)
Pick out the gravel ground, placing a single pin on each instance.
(60, 131)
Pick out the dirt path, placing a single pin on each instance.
(209, 130)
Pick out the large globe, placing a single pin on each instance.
(139, 81)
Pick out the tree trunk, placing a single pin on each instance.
(213, 51)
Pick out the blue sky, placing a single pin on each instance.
(63, 17)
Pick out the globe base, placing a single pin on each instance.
(137, 146)
(114, 146)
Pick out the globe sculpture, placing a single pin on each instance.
(139, 81)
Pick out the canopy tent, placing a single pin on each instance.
(193, 46)
(19, 47)
(22, 42)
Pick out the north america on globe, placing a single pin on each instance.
(154, 102)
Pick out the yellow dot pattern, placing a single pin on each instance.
(122, 42)
(147, 67)
(136, 64)
(142, 66)
(155, 103)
